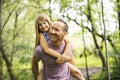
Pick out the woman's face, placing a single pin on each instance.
(56, 33)
(43, 26)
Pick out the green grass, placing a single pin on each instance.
(23, 71)
(99, 76)
(92, 61)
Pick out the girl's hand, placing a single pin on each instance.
(62, 59)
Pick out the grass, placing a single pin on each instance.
(99, 76)
(80, 62)
(92, 61)
(23, 70)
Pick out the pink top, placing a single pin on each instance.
(52, 70)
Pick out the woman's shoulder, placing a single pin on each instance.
(38, 49)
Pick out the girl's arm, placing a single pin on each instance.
(44, 45)
(50, 51)
(66, 50)
(67, 46)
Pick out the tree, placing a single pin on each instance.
(1, 61)
(14, 35)
(118, 11)
(106, 50)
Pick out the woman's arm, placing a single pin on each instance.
(35, 67)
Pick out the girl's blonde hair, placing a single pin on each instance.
(41, 17)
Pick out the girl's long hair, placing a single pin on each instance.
(41, 17)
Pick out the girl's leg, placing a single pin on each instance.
(40, 75)
(74, 71)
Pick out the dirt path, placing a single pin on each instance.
(91, 71)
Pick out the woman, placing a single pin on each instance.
(42, 26)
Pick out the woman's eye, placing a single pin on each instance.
(56, 29)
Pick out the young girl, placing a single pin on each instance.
(42, 26)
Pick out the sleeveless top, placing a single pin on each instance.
(46, 36)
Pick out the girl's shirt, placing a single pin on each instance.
(46, 36)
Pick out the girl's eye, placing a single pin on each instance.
(40, 24)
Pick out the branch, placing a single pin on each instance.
(8, 18)
(99, 35)
(17, 32)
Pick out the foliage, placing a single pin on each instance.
(18, 34)
(115, 75)
(114, 63)
(21, 71)
(93, 61)
(99, 76)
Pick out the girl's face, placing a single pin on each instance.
(43, 26)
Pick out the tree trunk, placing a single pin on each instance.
(99, 51)
(89, 16)
(8, 63)
(1, 68)
(118, 8)
(106, 51)
(2, 51)
(50, 11)
(1, 61)
(86, 63)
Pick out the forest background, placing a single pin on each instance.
(94, 31)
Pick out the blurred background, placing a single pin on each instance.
(94, 32)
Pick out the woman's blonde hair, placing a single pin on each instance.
(41, 17)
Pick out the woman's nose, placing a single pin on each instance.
(52, 31)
